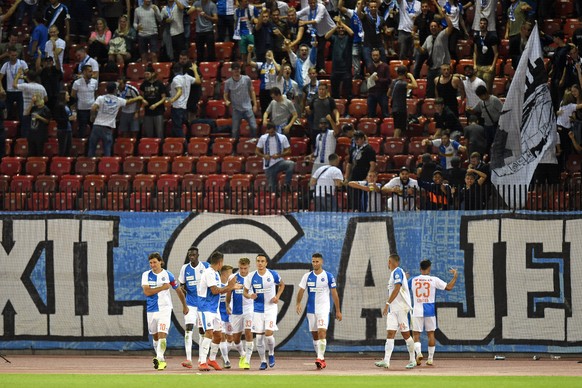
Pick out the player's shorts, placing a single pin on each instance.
(226, 327)
(318, 321)
(241, 322)
(397, 321)
(159, 322)
(424, 324)
(264, 321)
(209, 321)
(192, 317)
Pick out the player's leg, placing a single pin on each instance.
(215, 344)
(417, 327)
(430, 326)
(322, 321)
(191, 320)
(270, 328)
(153, 330)
(249, 343)
(208, 326)
(224, 344)
(312, 323)
(164, 319)
(391, 327)
(259, 330)
(405, 331)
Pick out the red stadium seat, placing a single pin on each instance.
(85, 165)
(21, 147)
(358, 108)
(149, 146)
(78, 147)
(124, 146)
(216, 183)
(245, 147)
(207, 165)
(173, 146)
(198, 146)
(162, 69)
(420, 91)
(144, 182)
(232, 165)
(21, 183)
(387, 127)
(200, 130)
(11, 165)
(61, 165)
(183, 165)
(70, 183)
(109, 165)
(223, 146)
(209, 70)
(370, 128)
(45, 183)
(393, 147)
(94, 183)
(119, 183)
(135, 71)
(158, 165)
(254, 165)
(215, 109)
(133, 165)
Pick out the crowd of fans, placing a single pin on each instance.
(428, 73)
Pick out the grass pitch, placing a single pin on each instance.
(241, 381)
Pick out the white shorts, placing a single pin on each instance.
(159, 322)
(241, 322)
(192, 317)
(209, 321)
(226, 327)
(421, 324)
(318, 321)
(397, 321)
(264, 321)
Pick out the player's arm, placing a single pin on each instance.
(451, 284)
(392, 296)
(335, 298)
(279, 292)
(248, 295)
(182, 298)
(300, 293)
(148, 291)
(231, 285)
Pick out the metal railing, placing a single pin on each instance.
(550, 198)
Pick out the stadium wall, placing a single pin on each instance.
(72, 280)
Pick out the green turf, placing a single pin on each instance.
(241, 381)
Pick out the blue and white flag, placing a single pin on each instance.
(526, 126)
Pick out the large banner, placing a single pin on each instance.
(72, 281)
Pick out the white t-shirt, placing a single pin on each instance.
(85, 92)
(325, 144)
(423, 288)
(109, 105)
(470, 87)
(29, 90)
(563, 119)
(272, 146)
(405, 201)
(88, 61)
(48, 49)
(185, 82)
(402, 300)
(10, 70)
(326, 177)
(408, 12)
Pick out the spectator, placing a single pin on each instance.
(421, 31)
(207, 16)
(173, 28)
(263, 35)
(325, 143)
(425, 169)
(104, 111)
(225, 25)
(280, 33)
(122, 42)
(11, 44)
(485, 53)
(288, 87)
(476, 136)
(362, 160)
(357, 36)
(39, 36)
(448, 86)
(296, 31)
(99, 41)
(437, 194)
(369, 193)
(325, 180)
(517, 43)
(129, 117)
(452, 13)
(302, 63)
(84, 60)
(397, 99)
(470, 196)
(51, 77)
(145, 22)
(317, 21)
(4, 17)
(373, 26)
(445, 119)
(447, 148)
(272, 147)
(282, 112)
(573, 71)
(40, 117)
(180, 92)
(58, 14)
(436, 49)
(455, 175)
(568, 109)
(470, 84)
(239, 92)
(310, 91)
(187, 4)
(391, 13)
(378, 82)
(191, 69)
(488, 11)
(477, 163)
(558, 69)
(409, 10)
(322, 107)
(490, 109)
(84, 91)
(516, 16)
(402, 190)
(81, 12)
(154, 93)
(245, 18)
(341, 69)
(55, 47)
(268, 70)
(63, 115)
(13, 96)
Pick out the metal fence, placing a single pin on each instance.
(551, 198)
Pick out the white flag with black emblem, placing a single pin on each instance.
(526, 126)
